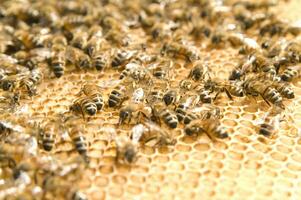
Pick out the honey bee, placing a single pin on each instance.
(270, 123)
(93, 92)
(284, 89)
(134, 107)
(117, 95)
(84, 105)
(254, 86)
(242, 68)
(78, 58)
(290, 73)
(211, 127)
(161, 69)
(81, 144)
(198, 72)
(93, 46)
(100, 61)
(131, 109)
(186, 102)
(231, 89)
(69, 22)
(130, 68)
(117, 37)
(261, 63)
(58, 58)
(206, 111)
(155, 94)
(149, 132)
(122, 57)
(48, 135)
(126, 150)
(171, 97)
(177, 49)
(161, 113)
(80, 40)
(200, 30)
(293, 51)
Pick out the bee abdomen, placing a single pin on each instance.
(58, 68)
(181, 112)
(189, 117)
(81, 144)
(98, 100)
(289, 74)
(115, 98)
(170, 119)
(99, 63)
(48, 141)
(265, 129)
(89, 107)
(273, 96)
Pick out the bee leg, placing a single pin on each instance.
(228, 94)
(217, 94)
(265, 100)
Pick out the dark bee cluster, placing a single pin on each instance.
(145, 42)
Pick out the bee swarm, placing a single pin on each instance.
(193, 99)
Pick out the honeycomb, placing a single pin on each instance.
(245, 165)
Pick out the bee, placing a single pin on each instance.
(72, 21)
(84, 105)
(198, 72)
(117, 37)
(161, 69)
(206, 111)
(186, 102)
(126, 150)
(24, 39)
(93, 92)
(148, 132)
(231, 89)
(253, 86)
(293, 51)
(205, 96)
(211, 127)
(48, 135)
(130, 68)
(27, 83)
(58, 58)
(200, 30)
(284, 89)
(78, 58)
(261, 63)
(155, 94)
(93, 46)
(270, 123)
(134, 107)
(77, 134)
(177, 49)
(80, 40)
(117, 95)
(122, 57)
(100, 61)
(127, 112)
(290, 73)
(171, 97)
(242, 68)
(161, 113)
